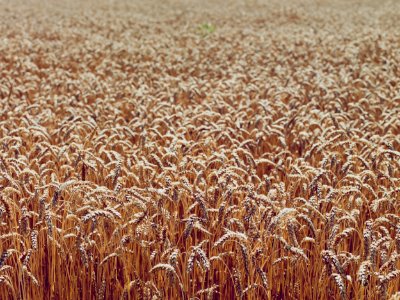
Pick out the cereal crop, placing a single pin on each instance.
(200, 149)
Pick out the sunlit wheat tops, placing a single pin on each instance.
(200, 150)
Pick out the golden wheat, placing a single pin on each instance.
(185, 150)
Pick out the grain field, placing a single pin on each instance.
(199, 149)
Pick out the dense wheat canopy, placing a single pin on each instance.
(199, 149)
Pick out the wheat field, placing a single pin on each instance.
(199, 149)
